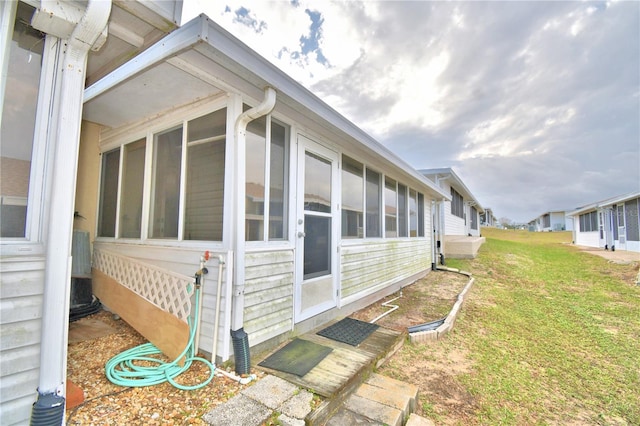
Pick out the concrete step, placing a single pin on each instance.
(379, 400)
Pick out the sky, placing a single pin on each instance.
(535, 105)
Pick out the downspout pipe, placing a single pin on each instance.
(64, 138)
(240, 339)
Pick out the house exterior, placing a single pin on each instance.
(609, 224)
(203, 145)
(456, 221)
(49, 49)
(556, 220)
(487, 218)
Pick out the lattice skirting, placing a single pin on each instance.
(166, 289)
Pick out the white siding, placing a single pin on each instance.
(372, 265)
(20, 326)
(268, 296)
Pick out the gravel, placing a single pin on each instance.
(163, 404)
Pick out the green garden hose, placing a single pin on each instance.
(124, 369)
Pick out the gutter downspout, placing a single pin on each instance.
(65, 119)
(237, 303)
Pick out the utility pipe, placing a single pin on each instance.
(264, 108)
(65, 118)
(387, 304)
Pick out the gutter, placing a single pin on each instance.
(65, 115)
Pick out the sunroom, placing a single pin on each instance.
(199, 144)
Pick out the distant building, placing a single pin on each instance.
(555, 220)
(457, 222)
(609, 224)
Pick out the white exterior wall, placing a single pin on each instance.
(20, 328)
(268, 309)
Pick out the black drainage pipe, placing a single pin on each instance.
(47, 410)
(241, 353)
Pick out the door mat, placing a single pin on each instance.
(296, 357)
(349, 330)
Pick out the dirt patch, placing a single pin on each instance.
(434, 367)
(428, 299)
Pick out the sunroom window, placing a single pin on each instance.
(18, 122)
(185, 191)
(352, 198)
(373, 204)
(267, 159)
(390, 208)
(402, 211)
(413, 213)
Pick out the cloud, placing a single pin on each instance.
(536, 104)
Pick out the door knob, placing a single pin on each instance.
(301, 234)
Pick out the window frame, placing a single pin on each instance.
(132, 134)
(36, 214)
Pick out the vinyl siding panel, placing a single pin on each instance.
(268, 297)
(372, 265)
(20, 327)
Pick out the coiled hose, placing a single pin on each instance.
(122, 369)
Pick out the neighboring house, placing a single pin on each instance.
(488, 219)
(609, 224)
(205, 145)
(556, 220)
(456, 221)
(45, 61)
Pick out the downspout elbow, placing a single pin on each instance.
(264, 108)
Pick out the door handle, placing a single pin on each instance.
(301, 234)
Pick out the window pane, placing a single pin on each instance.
(277, 182)
(373, 204)
(255, 183)
(474, 218)
(420, 215)
(109, 193)
(413, 214)
(402, 211)
(631, 219)
(166, 184)
(205, 177)
(317, 195)
(132, 186)
(352, 198)
(390, 209)
(317, 246)
(18, 122)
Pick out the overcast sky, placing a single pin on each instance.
(535, 105)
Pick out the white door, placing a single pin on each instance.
(316, 230)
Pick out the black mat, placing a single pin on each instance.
(349, 330)
(296, 357)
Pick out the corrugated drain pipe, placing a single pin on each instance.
(239, 337)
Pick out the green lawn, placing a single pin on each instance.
(552, 334)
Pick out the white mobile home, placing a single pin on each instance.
(203, 145)
(456, 221)
(49, 49)
(609, 224)
(556, 220)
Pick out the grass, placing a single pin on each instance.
(553, 333)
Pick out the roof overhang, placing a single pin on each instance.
(201, 60)
(609, 202)
(447, 173)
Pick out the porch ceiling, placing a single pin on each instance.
(157, 89)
